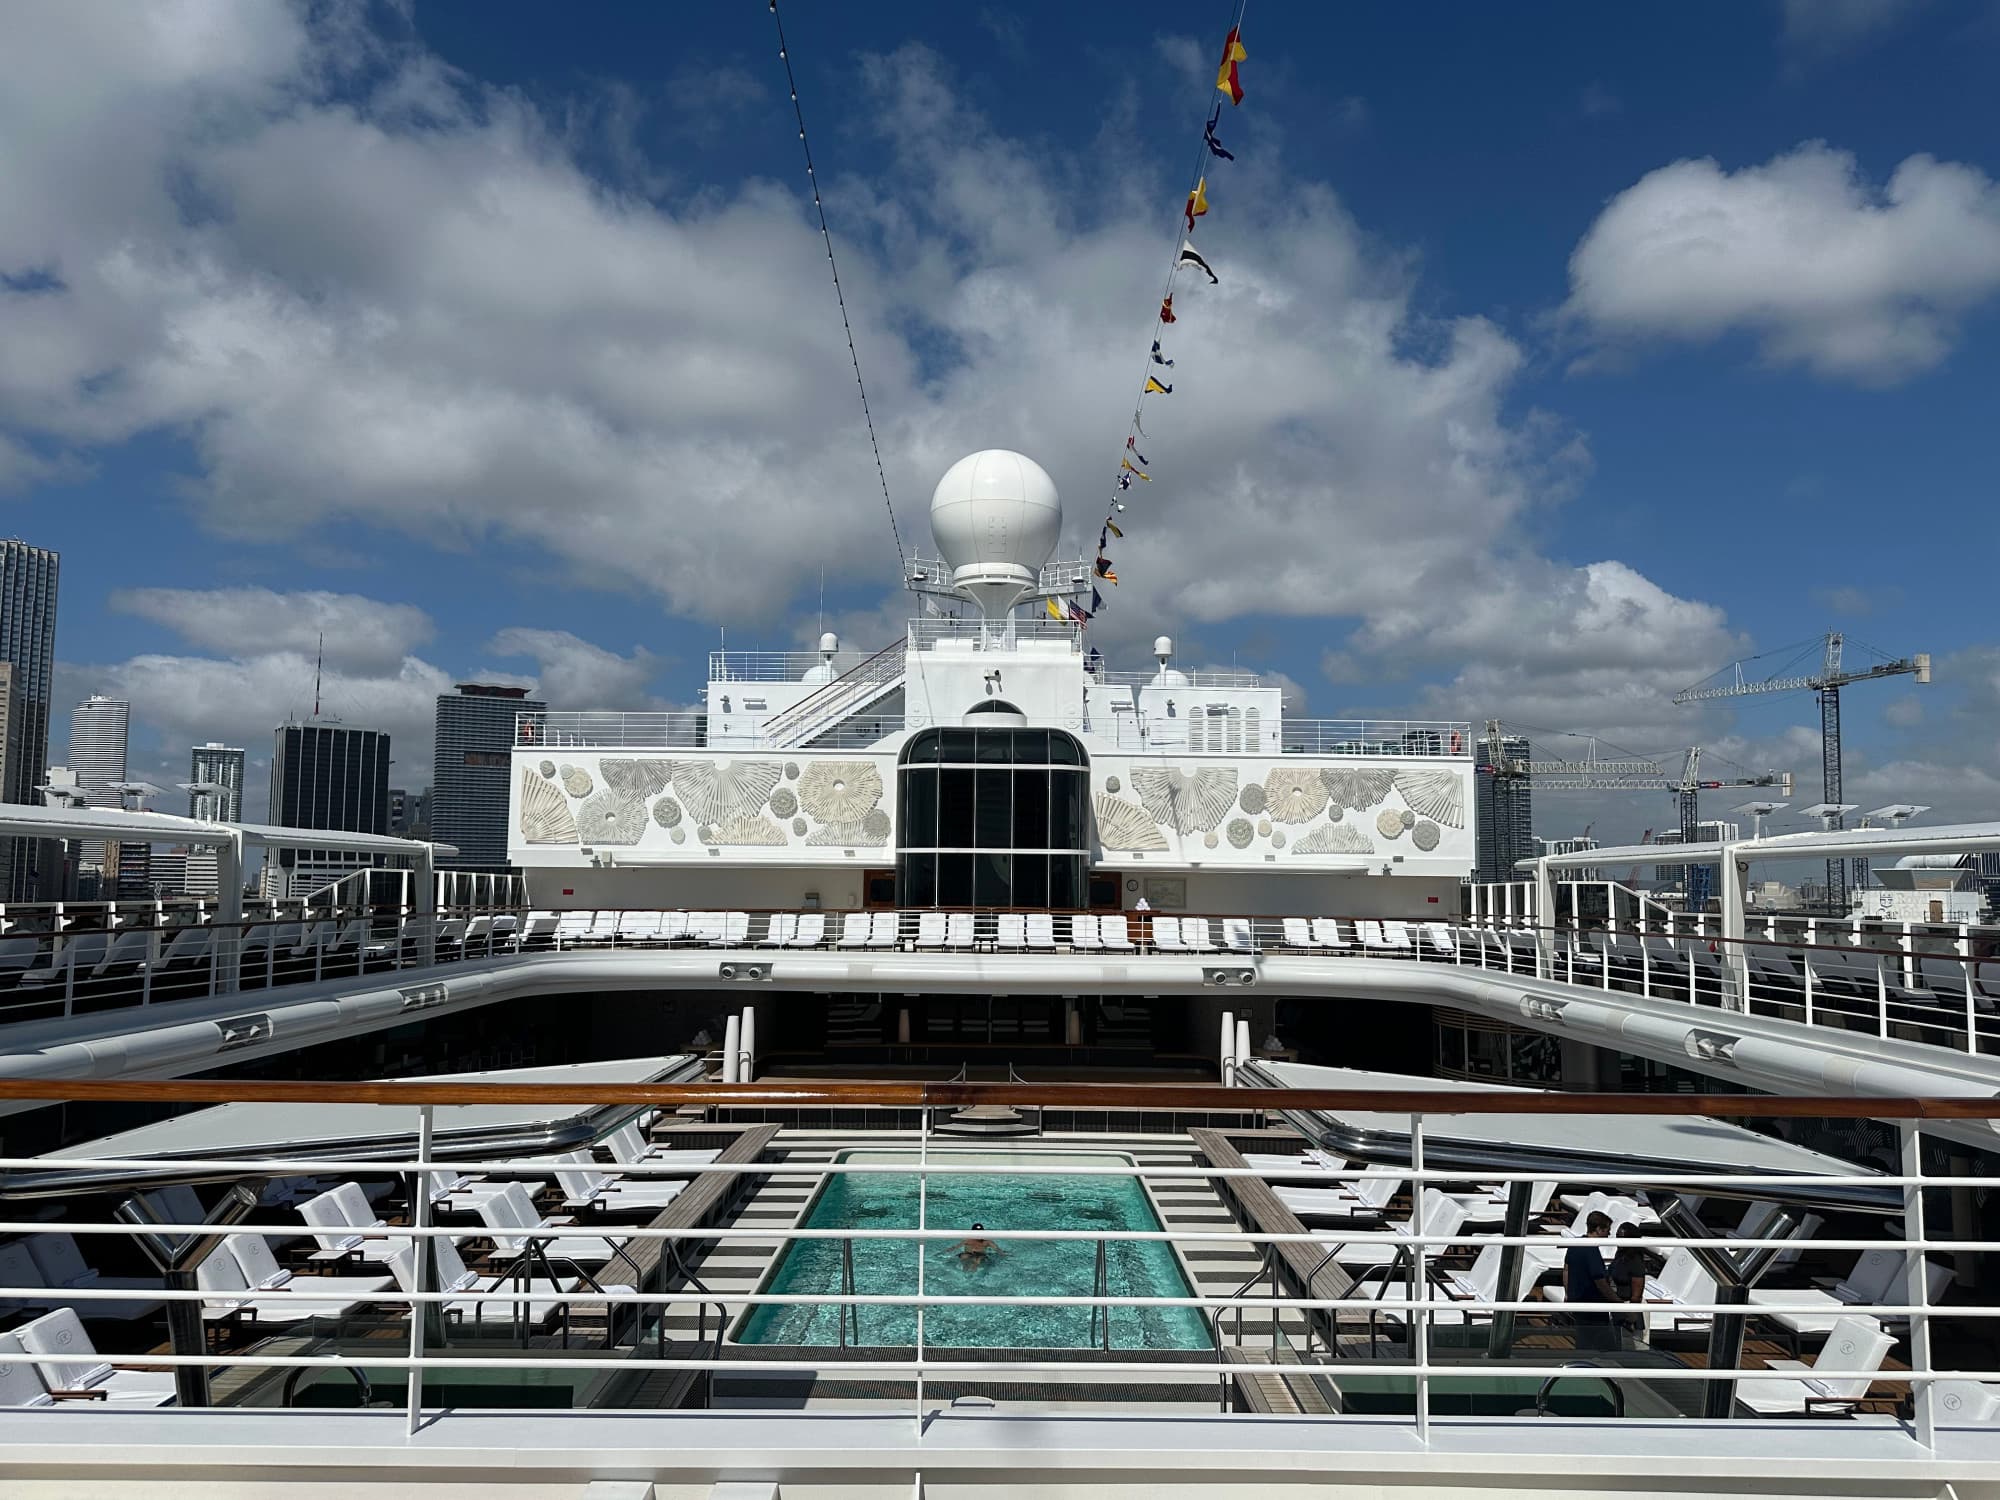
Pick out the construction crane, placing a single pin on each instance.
(1827, 683)
(1627, 772)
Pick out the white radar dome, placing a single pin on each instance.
(995, 517)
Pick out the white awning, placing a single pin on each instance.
(1842, 843)
(24, 820)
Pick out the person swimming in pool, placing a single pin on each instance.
(975, 1250)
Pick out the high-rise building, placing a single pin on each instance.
(1503, 823)
(475, 740)
(99, 729)
(326, 776)
(28, 577)
(216, 764)
(409, 813)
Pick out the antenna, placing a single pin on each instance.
(319, 661)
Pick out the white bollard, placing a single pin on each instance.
(748, 1072)
(1228, 1048)
(732, 1042)
(1243, 1052)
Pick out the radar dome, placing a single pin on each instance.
(995, 517)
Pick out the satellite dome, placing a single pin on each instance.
(995, 517)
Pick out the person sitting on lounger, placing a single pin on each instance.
(974, 1251)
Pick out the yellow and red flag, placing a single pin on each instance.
(1226, 80)
(1197, 203)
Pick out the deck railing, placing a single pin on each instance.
(1408, 1305)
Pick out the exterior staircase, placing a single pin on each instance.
(848, 694)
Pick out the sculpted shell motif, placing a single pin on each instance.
(1389, 823)
(637, 779)
(1190, 802)
(1125, 825)
(1240, 833)
(610, 818)
(783, 803)
(840, 791)
(1252, 800)
(1335, 838)
(667, 813)
(545, 814)
(716, 791)
(1425, 835)
(750, 829)
(548, 769)
(1356, 789)
(870, 831)
(1278, 839)
(1294, 794)
(576, 781)
(1438, 795)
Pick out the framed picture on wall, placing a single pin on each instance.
(1166, 892)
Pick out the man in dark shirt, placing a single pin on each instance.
(1585, 1281)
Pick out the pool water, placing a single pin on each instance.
(1003, 1203)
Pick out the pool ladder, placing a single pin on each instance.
(1100, 1286)
(848, 1309)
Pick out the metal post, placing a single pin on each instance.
(179, 1258)
(421, 1263)
(1420, 1322)
(1964, 946)
(1228, 1048)
(228, 942)
(923, 1211)
(1916, 1282)
(423, 887)
(1881, 997)
(1500, 1342)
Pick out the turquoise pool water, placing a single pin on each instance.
(1003, 1203)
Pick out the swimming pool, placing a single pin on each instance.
(1004, 1203)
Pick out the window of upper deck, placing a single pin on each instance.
(992, 817)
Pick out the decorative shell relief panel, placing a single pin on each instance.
(637, 779)
(576, 781)
(1187, 801)
(1252, 801)
(610, 818)
(1335, 838)
(715, 792)
(1438, 795)
(667, 813)
(1356, 789)
(745, 829)
(545, 814)
(1294, 794)
(840, 791)
(870, 831)
(1126, 825)
(1425, 835)
(1389, 823)
(783, 803)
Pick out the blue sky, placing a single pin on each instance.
(1561, 353)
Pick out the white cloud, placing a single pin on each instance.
(364, 634)
(1823, 268)
(576, 674)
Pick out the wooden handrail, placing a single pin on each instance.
(918, 1094)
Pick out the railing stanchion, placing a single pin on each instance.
(1420, 1323)
(421, 1261)
(1881, 997)
(1916, 1282)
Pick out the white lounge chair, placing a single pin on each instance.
(1041, 929)
(629, 1148)
(585, 1185)
(1442, 1218)
(1298, 933)
(960, 930)
(640, 926)
(573, 927)
(515, 1226)
(1084, 931)
(1199, 934)
(1493, 1199)
(20, 1384)
(1961, 1403)
(1438, 936)
(1010, 930)
(854, 929)
(673, 927)
(735, 931)
(782, 928)
(1480, 1284)
(883, 929)
(1114, 933)
(1167, 935)
(248, 1282)
(1396, 937)
(60, 1266)
(1856, 1343)
(1682, 1280)
(812, 930)
(1237, 936)
(18, 1269)
(1369, 935)
(1366, 1199)
(1327, 933)
(1877, 1276)
(69, 1362)
(930, 929)
(344, 1225)
(540, 1298)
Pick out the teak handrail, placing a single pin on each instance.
(922, 1095)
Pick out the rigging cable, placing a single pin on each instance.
(792, 84)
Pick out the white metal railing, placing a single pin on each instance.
(1329, 1314)
(1183, 732)
(1928, 984)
